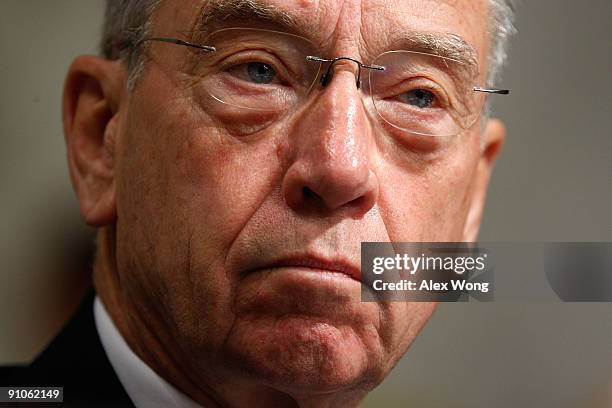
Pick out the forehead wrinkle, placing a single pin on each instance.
(449, 28)
(216, 14)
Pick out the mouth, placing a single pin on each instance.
(317, 264)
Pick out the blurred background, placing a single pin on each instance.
(552, 183)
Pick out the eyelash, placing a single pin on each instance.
(431, 86)
(244, 57)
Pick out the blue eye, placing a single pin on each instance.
(420, 98)
(260, 73)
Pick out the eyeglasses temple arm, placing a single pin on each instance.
(492, 91)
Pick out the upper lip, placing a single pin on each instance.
(314, 261)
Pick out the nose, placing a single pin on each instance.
(330, 152)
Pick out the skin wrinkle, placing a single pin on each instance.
(155, 333)
(216, 12)
(233, 307)
(189, 273)
(255, 209)
(164, 297)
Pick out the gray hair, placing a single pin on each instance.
(501, 29)
(127, 22)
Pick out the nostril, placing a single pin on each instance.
(325, 79)
(308, 193)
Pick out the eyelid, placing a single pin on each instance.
(431, 86)
(265, 57)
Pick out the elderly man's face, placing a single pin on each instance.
(238, 239)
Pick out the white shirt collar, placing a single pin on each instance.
(143, 385)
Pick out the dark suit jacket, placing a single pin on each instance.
(75, 360)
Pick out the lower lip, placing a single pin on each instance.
(297, 290)
(300, 278)
(310, 272)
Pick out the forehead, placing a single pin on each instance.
(348, 26)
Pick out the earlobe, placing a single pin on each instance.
(91, 100)
(493, 140)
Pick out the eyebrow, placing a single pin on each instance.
(217, 14)
(451, 46)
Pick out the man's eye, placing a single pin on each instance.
(255, 72)
(260, 73)
(421, 98)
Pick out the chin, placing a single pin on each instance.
(300, 354)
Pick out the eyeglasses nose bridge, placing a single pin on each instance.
(327, 77)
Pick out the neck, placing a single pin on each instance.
(151, 339)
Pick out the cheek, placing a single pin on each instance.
(184, 194)
(221, 183)
(427, 202)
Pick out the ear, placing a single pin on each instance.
(493, 139)
(93, 92)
